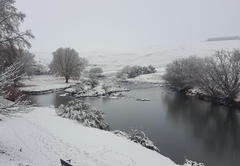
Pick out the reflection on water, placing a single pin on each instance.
(181, 126)
(215, 128)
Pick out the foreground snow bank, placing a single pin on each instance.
(42, 138)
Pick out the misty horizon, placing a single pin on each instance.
(115, 25)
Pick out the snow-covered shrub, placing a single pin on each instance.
(91, 77)
(105, 87)
(120, 133)
(192, 163)
(96, 70)
(138, 136)
(124, 72)
(131, 72)
(92, 82)
(84, 113)
(94, 74)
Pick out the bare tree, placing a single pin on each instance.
(11, 38)
(8, 55)
(26, 59)
(220, 75)
(7, 78)
(10, 20)
(183, 73)
(11, 41)
(66, 62)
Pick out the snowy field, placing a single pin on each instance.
(45, 82)
(157, 56)
(41, 138)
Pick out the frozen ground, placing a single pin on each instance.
(45, 82)
(42, 138)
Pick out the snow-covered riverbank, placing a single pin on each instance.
(42, 138)
(45, 83)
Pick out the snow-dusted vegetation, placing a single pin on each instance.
(217, 76)
(92, 117)
(84, 113)
(7, 77)
(39, 137)
(42, 138)
(93, 87)
(138, 136)
(67, 63)
(192, 163)
(134, 71)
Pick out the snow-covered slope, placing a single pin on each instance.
(158, 56)
(42, 138)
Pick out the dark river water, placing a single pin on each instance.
(182, 127)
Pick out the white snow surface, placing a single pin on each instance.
(45, 82)
(42, 138)
(158, 56)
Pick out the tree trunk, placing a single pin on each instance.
(66, 79)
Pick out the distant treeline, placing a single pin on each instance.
(224, 38)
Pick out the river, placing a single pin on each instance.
(182, 127)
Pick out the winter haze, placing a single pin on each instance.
(112, 25)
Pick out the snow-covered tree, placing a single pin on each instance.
(26, 59)
(11, 41)
(220, 75)
(183, 73)
(217, 76)
(7, 77)
(10, 20)
(66, 62)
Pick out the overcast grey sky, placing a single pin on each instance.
(110, 25)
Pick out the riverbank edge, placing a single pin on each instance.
(39, 92)
(202, 96)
